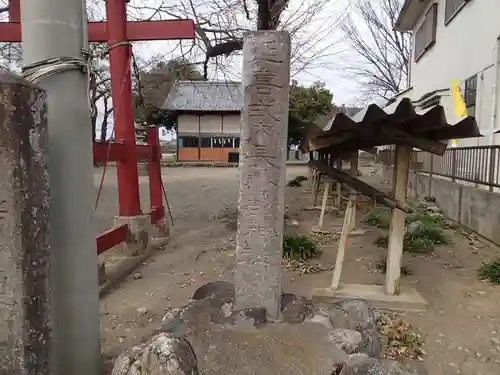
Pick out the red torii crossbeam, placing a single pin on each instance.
(118, 32)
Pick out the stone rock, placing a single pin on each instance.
(362, 364)
(172, 322)
(295, 309)
(416, 227)
(404, 367)
(179, 321)
(347, 339)
(142, 311)
(320, 319)
(217, 290)
(355, 314)
(433, 208)
(255, 317)
(162, 355)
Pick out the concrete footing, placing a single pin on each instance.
(101, 272)
(142, 240)
(160, 233)
(408, 300)
(139, 231)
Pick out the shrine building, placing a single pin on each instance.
(208, 120)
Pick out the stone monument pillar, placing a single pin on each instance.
(25, 320)
(266, 76)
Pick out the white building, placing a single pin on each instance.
(456, 39)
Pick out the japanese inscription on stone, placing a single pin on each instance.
(266, 74)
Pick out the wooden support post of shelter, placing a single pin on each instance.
(397, 226)
(25, 293)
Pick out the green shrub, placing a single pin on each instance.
(293, 183)
(379, 217)
(416, 242)
(490, 271)
(298, 247)
(423, 230)
(301, 178)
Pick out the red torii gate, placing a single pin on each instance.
(119, 32)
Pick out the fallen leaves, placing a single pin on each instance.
(402, 340)
(304, 268)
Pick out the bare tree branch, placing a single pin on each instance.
(222, 24)
(382, 53)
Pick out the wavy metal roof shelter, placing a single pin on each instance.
(402, 122)
(421, 124)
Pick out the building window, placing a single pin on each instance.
(452, 7)
(189, 142)
(228, 143)
(425, 37)
(206, 142)
(237, 142)
(470, 94)
(217, 142)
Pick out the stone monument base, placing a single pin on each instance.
(207, 336)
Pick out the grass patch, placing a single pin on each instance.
(299, 247)
(490, 271)
(379, 217)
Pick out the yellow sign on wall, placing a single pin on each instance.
(458, 104)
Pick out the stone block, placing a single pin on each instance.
(25, 253)
(160, 232)
(139, 232)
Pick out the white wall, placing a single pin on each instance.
(193, 124)
(188, 124)
(232, 124)
(464, 47)
(210, 123)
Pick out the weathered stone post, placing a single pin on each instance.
(266, 75)
(25, 320)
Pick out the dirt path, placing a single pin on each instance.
(461, 330)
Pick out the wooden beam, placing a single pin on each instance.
(397, 227)
(361, 187)
(136, 31)
(425, 144)
(106, 152)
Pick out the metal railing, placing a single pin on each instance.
(478, 164)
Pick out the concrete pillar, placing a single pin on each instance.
(25, 288)
(54, 29)
(266, 75)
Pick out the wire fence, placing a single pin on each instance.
(478, 165)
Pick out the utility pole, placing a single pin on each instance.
(55, 29)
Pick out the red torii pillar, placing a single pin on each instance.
(118, 32)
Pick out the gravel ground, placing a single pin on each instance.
(201, 249)
(195, 195)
